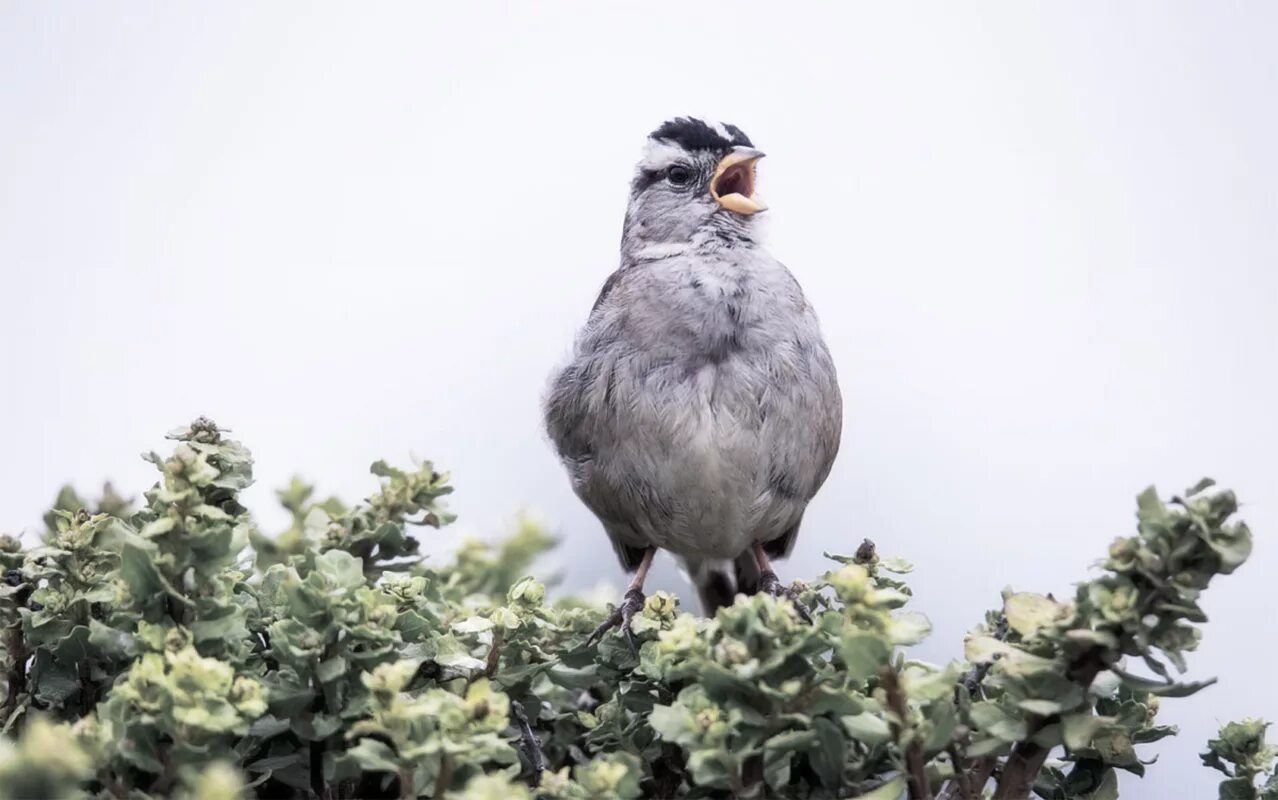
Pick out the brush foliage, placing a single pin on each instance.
(172, 649)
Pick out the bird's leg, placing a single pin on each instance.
(770, 584)
(631, 604)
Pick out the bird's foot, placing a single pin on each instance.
(621, 617)
(770, 584)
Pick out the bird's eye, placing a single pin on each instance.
(679, 176)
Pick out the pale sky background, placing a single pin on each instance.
(1043, 242)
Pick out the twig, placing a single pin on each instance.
(406, 789)
(531, 745)
(960, 780)
(494, 655)
(88, 692)
(1021, 769)
(973, 778)
(112, 786)
(445, 775)
(1027, 757)
(166, 780)
(319, 787)
(976, 776)
(16, 649)
(915, 765)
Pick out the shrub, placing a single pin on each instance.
(173, 650)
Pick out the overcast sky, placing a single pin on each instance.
(1043, 243)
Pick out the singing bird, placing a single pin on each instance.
(700, 411)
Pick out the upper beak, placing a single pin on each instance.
(733, 182)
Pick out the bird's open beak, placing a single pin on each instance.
(733, 182)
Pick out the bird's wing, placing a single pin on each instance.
(578, 422)
(572, 405)
(806, 442)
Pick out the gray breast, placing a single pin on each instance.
(701, 411)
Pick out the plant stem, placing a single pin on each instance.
(529, 742)
(973, 779)
(445, 776)
(1027, 757)
(915, 764)
(318, 787)
(88, 692)
(406, 791)
(494, 654)
(16, 650)
(960, 780)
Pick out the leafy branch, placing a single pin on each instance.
(174, 648)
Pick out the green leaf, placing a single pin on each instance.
(1148, 504)
(1042, 708)
(864, 653)
(75, 647)
(331, 670)
(892, 790)
(983, 649)
(995, 720)
(54, 683)
(341, 569)
(672, 723)
(897, 565)
(452, 653)
(1237, 789)
(374, 756)
(112, 642)
(1161, 688)
(1198, 488)
(828, 753)
(838, 703)
(472, 625)
(1027, 612)
(1233, 547)
(1080, 728)
(909, 627)
(158, 527)
(944, 720)
(277, 763)
(227, 627)
(987, 746)
(778, 752)
(137, 568)
(867, 729)
(268, 726)
(1107, 790)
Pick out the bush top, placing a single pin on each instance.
(174, 649)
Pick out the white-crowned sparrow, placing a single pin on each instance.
(700, 411)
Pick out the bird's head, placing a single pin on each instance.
(696, 179)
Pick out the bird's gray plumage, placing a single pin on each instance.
(700, 411)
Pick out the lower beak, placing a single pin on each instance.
(733, 182)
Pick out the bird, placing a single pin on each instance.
(699, 412)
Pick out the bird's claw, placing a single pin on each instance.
(771, 584)
(621, 617)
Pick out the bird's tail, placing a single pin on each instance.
(719, 582)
